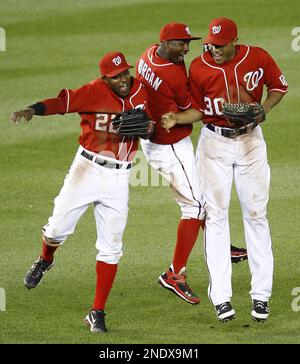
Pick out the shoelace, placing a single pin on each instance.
(181, 278)
(40, 266)
(261, 304)
(223, 306)
(37, 269)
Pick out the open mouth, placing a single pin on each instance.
(217, 56)
(124, 88)
(180, 58)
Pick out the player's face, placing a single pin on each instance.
(224, 53)
(120, 84)
(176, 50)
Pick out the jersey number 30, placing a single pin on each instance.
(213, 106)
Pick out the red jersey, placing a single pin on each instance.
(167, 88)
(240, 80)
(97, 105)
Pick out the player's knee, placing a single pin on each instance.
(51, 242)
(112, 258)
(253, 211)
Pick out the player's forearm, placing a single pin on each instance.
(52, 106)
(272, 99)
(189, 116)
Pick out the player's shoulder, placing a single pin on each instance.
(97, 82)
(199, 61)
(96, 87)
(137, 86)
(258, 51)
(155, 62)
(149, 53)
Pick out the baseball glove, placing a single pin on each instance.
(243, 114)
(133, 123)
(238, 254)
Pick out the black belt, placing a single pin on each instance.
(232, 133)
(105, 163)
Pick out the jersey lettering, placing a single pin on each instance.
(283, 80)
(102, 123)
(213, 106)
(147, 73)
(252, 79)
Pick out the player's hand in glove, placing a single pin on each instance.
(27, 114)
(243, 114)
(134, 123)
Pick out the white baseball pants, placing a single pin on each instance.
(220, 160)
(107, 189)
(176, 163)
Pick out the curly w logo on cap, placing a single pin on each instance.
(221, 32)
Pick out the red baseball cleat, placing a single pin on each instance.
(177, 284)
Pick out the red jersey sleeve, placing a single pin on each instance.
(196, 89)
(69, 101)
(182, 95)
(274, 78)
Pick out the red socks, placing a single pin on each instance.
(105, 277)
(48, 251)
(187, 234)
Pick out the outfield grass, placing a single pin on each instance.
(54, 44)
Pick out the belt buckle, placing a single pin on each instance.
(235, 133)
(218, 130)
(249, 127)
(110, 164)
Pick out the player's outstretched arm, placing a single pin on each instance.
(189, 116)
(27, 114)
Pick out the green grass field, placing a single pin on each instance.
(52, 45)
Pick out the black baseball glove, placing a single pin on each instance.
(133, 123)
(243, 114)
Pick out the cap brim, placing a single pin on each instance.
(118, 71)
(178, 38)
(194, 38)
(216, 40)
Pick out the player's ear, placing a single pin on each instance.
(163, 44)
(235, 41)
(104, 78)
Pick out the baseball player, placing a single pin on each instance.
(162, 70)
(99, 173)
(234, 73)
